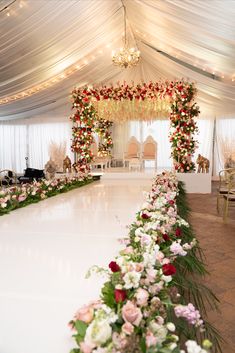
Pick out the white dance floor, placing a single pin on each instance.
(45, 251)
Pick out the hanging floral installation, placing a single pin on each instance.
(144, 102)
(143, 304)
(106, 141)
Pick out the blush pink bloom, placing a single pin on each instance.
(151, 275)
(131, 313)
(86, 348)
(21, 197)
(96, 304)
(85, 314)
(127, 328)
(128, 250)
(151, 340)
(142, 297)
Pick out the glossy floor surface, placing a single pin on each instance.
(45, 251)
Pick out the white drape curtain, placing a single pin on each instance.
(224, 141)
(32, 138)
(40, 137)
(159, 130)
(12, 146)
(177, 39)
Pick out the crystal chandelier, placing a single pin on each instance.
(125, 57)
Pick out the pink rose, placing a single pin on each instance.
(131, 313)
(151, 275)
(96, 304)
(151, 340)
(128, 250)
(142, 297)
(21, 197)
(86, 347)
(127, 328)
(85, 314)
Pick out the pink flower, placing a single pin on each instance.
(127, 328)
(85, 314)
(151, 340)
(86, 347)
(21, 197)
(131, 313)
(142, 297)
(151, 275)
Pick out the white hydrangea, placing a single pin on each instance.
(132, 279)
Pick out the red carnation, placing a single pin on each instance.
(168, 269)
(114, 266)
(120, 295)
(178, 232)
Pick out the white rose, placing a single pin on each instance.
(170, 326)
(98, 333)
(193, 347)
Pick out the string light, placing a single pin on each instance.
(50, 82)
(172, 52)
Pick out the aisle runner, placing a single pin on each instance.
(140, 300)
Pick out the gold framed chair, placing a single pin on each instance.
(149, 150)
(229, 197)
(223, 185)
(7, 178)
(132, 151)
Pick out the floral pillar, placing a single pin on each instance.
(84, 121)
(183, 127)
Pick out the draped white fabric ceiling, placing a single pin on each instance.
(177, 38)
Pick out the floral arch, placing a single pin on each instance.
(97, 106)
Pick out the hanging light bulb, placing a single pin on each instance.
(125, 56)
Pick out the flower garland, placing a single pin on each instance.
(106, 143)
(18, 196)
(140, 300)
(143, 102)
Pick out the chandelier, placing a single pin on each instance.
(125, 57)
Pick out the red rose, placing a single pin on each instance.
(120, 295)
(171, 202)
(178, 232)
(145, 216)
(166, 237)
(114, 266)
(168, 269)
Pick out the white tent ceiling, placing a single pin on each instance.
(177, 39)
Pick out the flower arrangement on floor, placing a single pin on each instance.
(141, 101)
(142, 308)
(18, 196)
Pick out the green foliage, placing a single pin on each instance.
(107, 295)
